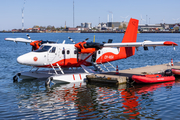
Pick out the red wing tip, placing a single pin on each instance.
(170, 43)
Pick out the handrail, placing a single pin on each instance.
(111, 65)
(105, 66)
(54, 69)
(60, 68)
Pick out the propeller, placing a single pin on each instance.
(37, 43)
(85, 39)
(71, 40)
(74, 42)
(28, 36)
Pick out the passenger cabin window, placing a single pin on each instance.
(99, 52)
(75, 51)
(63, 52)
(68, 51)
(53, 50)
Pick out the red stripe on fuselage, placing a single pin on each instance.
(72, 62)
(80, 76)
(73, 77)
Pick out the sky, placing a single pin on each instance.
(57, 12)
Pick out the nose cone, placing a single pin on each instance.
(20, 60)
(25, 59)
(31, 59)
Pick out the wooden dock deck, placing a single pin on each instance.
(125, 75)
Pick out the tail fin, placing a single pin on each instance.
(129, 36)
(131, 31)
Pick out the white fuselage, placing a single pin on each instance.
(66, 55)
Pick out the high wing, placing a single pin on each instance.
(128, 41)
(141, 44)
(90, 47)
(34, 43)
(19, 40)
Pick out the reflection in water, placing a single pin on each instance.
(146, 88)
(81, 101)
(130, 103)
(31, 100)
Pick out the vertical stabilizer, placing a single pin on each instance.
(131, 31)
(129, 36)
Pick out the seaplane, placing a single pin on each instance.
(69, 62)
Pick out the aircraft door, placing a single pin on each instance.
(99, 54)
(93, 59)
(52, 54)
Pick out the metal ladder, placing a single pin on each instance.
(58, 67)
(107, 66)
(97, 67)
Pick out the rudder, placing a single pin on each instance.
(129, 36)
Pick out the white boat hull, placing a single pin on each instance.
(69, 78)
(57, 76)
(36, 74)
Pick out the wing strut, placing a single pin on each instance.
(81, 62)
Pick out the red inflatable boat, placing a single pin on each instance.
(154, 78)
(175, 71)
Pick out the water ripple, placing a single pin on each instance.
(30, 99)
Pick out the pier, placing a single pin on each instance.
(124, 76)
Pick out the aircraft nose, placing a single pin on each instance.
(25, 59)
(21, 60)
(31, 59)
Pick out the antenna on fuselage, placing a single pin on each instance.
(64, 42)
(71, 40)
(57, 40)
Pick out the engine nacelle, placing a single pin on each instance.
(88, 47)
(36, 44)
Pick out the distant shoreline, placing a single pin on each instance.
(123, 32)
(94, 32)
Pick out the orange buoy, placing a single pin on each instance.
(117, 71)
(172, 64)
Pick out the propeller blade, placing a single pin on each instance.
(28, 36)
(71, 40)
(85, 39)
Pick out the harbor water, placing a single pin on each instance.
(30, 99)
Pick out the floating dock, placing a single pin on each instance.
(124, 76)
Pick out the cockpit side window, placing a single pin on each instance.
(53, 50)
(75, 51)
(99, 52)
(43, 48)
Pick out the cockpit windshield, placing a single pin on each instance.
(43, 48)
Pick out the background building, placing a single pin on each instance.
(86, 25)
(102, 26)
